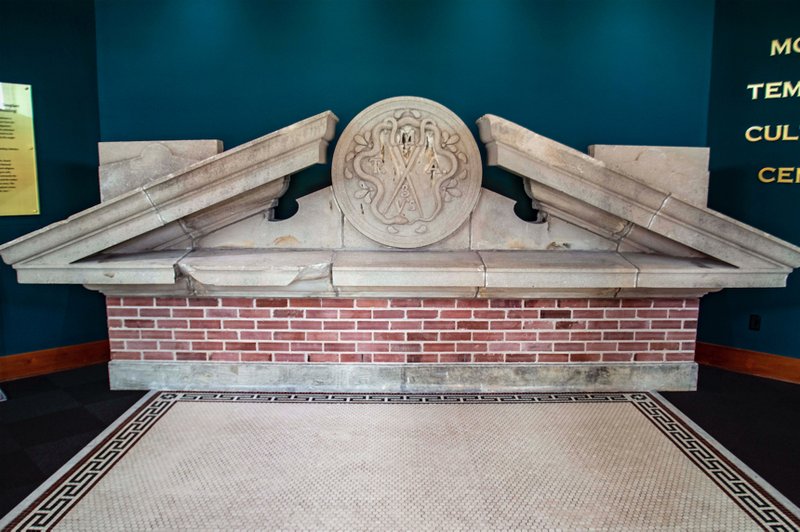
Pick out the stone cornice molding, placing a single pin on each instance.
(328, 273)
(206, 230)
(178, 195)
(547, 163)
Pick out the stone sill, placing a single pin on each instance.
(325, 273)
(402, 378)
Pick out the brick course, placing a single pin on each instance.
(402, 330)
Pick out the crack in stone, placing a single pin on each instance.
(182, 271)
(155, 207)
(636, 277)
(485, 273)
(660, 207)
(188, 232)
(623, 234)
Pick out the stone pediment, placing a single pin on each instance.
(608, 225)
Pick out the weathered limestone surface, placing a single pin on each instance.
(178, 195)
(553, 165)
(637, 239)
(401, 378)
(555, 205)
(658, 271)
(495, 226)
(602, 233)
(456, 241)
(155, 267)
(329, 273)
(316, 225)
(679, 170)
(557, 269)
(397, 273)
(406, 172)
(186, 232)
(256, 267)
(125, 166)
(723, 237)
(87, 232)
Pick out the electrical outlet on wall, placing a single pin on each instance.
(755, 322)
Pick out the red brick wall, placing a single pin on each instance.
(402, 330)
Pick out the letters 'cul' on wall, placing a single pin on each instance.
(404, 275)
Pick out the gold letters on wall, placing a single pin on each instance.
(18, 190)
(776, 132)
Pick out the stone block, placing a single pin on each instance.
(659, 271)
(353, 240)
(203, 186)
(637, 239)
(491, 292)
(495, 226)
(402, 378)
(563, 270)
(567, 170)
(145, 268)
(256, 268)
(367, 270)
(125, 166)
(588, 180)
(316, 225)
(680, 171)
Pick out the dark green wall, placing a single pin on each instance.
(50, 45)
(581, 71)
(743, 32)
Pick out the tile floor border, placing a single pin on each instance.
(46, 506)
(55, 479)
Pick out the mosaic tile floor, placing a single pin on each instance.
(204, 461)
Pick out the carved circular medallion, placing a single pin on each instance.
(406, 172)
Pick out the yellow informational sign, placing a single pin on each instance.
(18, 191)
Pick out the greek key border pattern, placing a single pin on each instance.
(756, 502)
(62, 496)
(400, 398)
(57, 501)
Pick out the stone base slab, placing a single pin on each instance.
(401, 378)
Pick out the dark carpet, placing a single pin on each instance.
(756, 419)
(46, 420)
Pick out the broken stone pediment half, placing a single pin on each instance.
(405, 216)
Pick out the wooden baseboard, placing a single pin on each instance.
(776, 367)
(13, 367)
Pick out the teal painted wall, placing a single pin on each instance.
(50, 45)
(580, 71)
(742, 37)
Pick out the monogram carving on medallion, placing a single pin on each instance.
(406, 172)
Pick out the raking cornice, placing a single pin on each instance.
(587, 181)
(178, 195)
